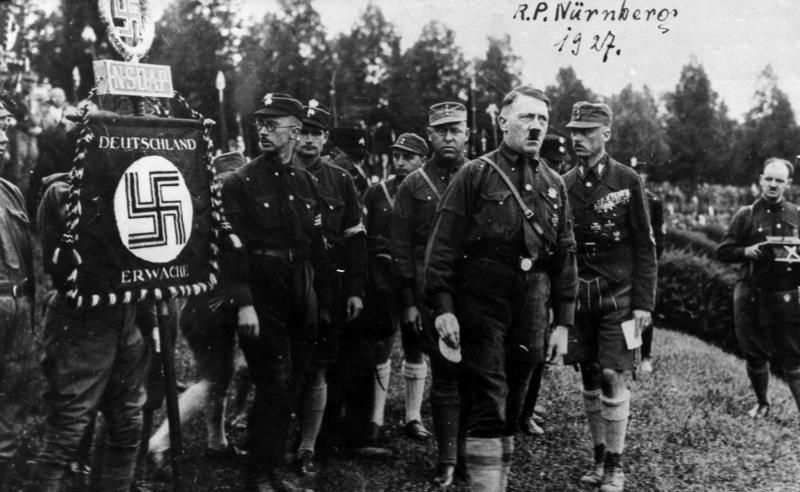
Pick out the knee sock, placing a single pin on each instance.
(485, 464)
(508, 455)
(793, 380)
(759, 378)
(383, 373)
(592, 405)
(314, 401)
(415, 388)
(615, 414)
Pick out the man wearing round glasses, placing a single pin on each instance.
(278, 280)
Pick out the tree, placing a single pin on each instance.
(496, 75)
(695, 125)
(637, 130)
(568, 90)
(769, 129)
(433, 69)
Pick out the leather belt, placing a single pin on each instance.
(13, 289)
(291, 255)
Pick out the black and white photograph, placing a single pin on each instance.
(399, 246)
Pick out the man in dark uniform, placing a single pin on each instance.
(500, 249)
(656, 208)
(617, 270)
(17, 347)
(382, 310)
(345, 240)
(349, 153)
(274, 207)
(766, 311)
(412, 220)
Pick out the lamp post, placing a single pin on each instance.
(223, 128)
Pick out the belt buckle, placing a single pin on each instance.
(525, 264)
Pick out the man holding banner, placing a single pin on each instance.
(274, 207)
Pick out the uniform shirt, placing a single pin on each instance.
(752, 224)
(274, 206)
(611, 212)
(378, 209)
(479, 209)
(15, 240)
(412, 220)
(342, 224)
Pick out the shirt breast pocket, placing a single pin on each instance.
(424, 203)
(15, 225)
(268, 211)
(332, 212)
(551, 211)
(495, 215)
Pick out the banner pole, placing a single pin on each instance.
(171, 393)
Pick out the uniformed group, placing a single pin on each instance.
(490, 267)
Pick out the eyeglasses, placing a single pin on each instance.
(269, 125)
(314, 133)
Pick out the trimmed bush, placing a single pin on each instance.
(693, 241)
(715, 232)
(695, 295)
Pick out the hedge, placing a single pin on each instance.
(695, 295)
(694, 241)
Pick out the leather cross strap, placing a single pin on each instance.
(386, 192)
(430, 183)
(526, 211)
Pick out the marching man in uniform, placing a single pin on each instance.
(500, 249)
(617, 270)
(766, 309)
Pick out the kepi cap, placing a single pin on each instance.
(590, 115)
(316, 115)
(411, 142)
(446, 112)
(554, 147)
(279, 104)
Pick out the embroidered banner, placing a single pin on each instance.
(144, 227)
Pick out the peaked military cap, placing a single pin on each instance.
(352, 141)
(411, 142)
(446, 112)
(590, 115)
(554, 147)
(316, 115)
(279, 104)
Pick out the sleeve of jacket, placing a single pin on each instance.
(235, 262)
(51, 218)
(731, 249)
(563, 269)
(319, 256)
(645, 267)
(657, 221)
(446, 241)
(355, 242)
(402, 234)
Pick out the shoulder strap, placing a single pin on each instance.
(526, 211)
(430, 184)
(386, 193)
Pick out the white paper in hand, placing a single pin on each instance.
(450, 353)
(632, 340)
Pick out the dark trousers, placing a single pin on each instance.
(17, 370)
(95, 359)
(503, 316)
(286, 306)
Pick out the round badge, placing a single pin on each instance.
(449, 353)
(525, 264)
(153, 209)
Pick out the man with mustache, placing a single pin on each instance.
(382, 311)
(278, 280)
(766, 311)
(346, 244)
(412, 219)
(500, 250)
(617, 283)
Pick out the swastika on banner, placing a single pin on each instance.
(127, 18)
(153, 209)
